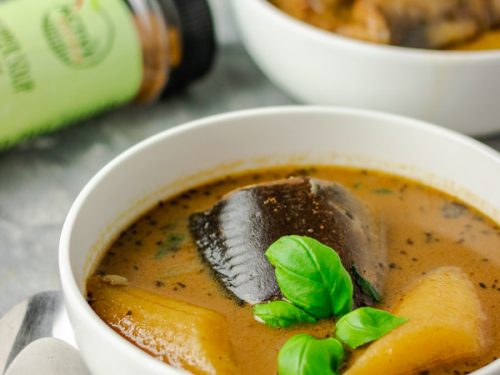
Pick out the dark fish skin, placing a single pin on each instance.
(235, 233)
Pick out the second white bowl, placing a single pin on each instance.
(459, 90)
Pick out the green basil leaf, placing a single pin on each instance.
(311, 276)
(305, 355)
(281, 314)
(364, 325)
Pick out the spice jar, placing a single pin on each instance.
(65, 60)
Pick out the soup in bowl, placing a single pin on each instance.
(305, 48)
(287, 239)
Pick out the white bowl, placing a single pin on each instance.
(185, 156)
(459, 90)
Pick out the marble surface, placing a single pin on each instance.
(40, 179)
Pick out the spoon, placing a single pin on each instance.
(36, 337)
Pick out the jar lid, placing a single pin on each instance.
(198, 42)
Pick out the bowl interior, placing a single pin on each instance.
(185, 156)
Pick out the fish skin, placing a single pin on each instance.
(234, 234)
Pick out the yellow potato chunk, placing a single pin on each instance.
(445, 324)
(178, 333)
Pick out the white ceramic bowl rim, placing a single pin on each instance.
(329, 37)
(73, 295)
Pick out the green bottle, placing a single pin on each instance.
(64, 60)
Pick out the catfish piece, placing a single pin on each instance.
(421, 23)
(234, 235)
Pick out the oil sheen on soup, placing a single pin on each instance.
(154, 274)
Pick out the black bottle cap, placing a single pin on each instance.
(198, 42)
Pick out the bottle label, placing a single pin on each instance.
(62, 60)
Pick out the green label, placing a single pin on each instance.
(79, 40)
(62, 60)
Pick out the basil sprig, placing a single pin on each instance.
(311, 276)
(281, 314)
(306, 355)
(364, 325)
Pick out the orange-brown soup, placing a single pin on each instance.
(425, 229)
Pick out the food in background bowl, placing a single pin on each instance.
(183, 283)
(409, 23)
(182, 280)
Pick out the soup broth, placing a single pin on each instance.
(425, 229)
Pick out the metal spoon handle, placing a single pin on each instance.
(42, 315)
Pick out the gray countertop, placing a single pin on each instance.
(40, 179)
